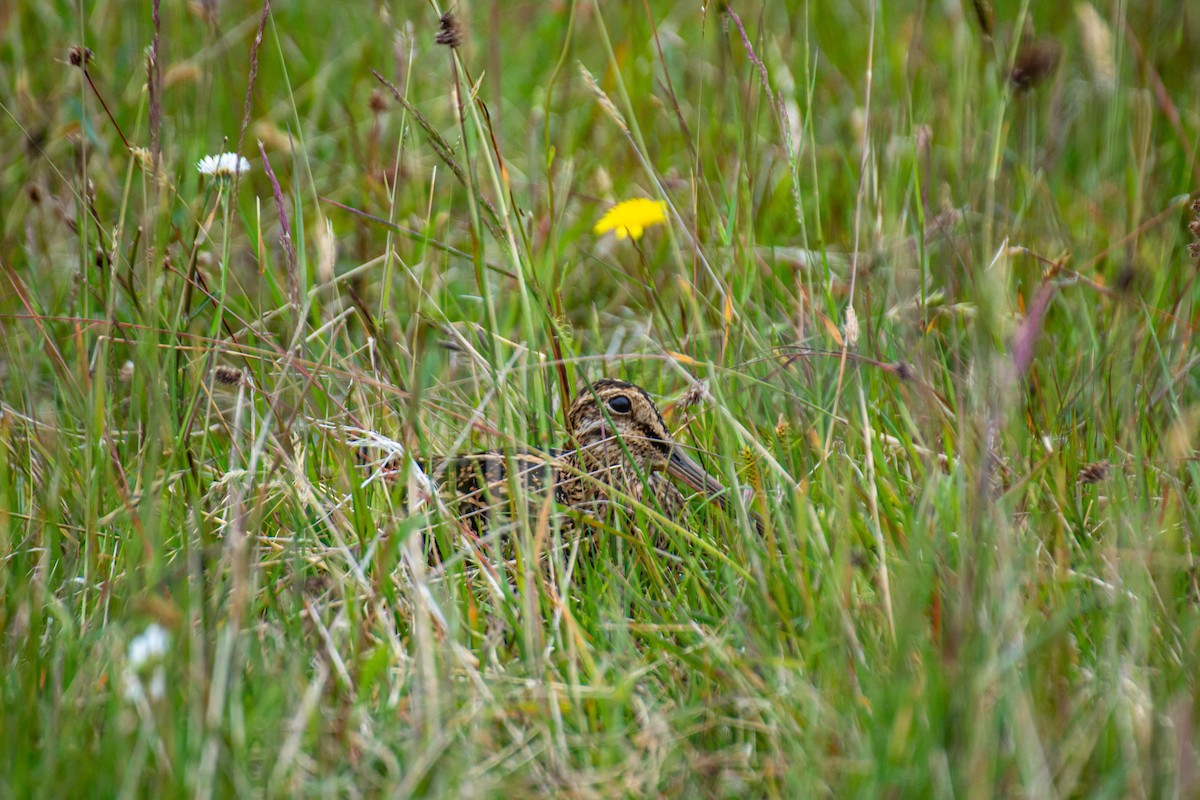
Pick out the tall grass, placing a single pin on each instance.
(930, 263)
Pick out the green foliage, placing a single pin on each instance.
(943, 307)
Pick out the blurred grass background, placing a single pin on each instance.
(930, 261)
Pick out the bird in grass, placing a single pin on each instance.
(621, 450)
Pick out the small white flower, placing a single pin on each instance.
(137, 691)
(131, 688)
(146, 653)
(225, 165)
(158, 683)
(150, 645)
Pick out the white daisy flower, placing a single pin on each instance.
(136, 690)
(132, 689)
(157, 685)
(148, 646)
(146, 653)
(225, 165)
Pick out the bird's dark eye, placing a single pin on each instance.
(620, 404)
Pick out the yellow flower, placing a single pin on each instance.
(632, 217)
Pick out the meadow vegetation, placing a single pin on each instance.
(924, 297)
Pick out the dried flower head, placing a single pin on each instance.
(79, 56)
(449, 31)
(377, 102)
(850, 328)
(694, 396)
(230, 376)
(1094, 472)
(143, 157)
(904, 371)
(1194, 229)
(984, 16)
(1036, 59)
(631, 218)
(224, 165)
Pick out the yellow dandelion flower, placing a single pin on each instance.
(632, 217)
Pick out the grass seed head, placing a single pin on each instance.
(80, 56)
(1194, 229)
(694, 395)
(229, 376)
(449, 31)
(1036, 60)
(1094, 472)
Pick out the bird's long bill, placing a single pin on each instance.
(691, 473)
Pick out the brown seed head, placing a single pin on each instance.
(694, 395)
(1194, 229)
(1126, 278)
(449, 31)
(1036, 59)
(1094, 472)
(79, 56)
(984, 16)
(230, 376)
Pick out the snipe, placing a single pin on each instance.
(620, 450)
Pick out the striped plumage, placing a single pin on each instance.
(620, 448)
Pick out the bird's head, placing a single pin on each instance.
(610, 413)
